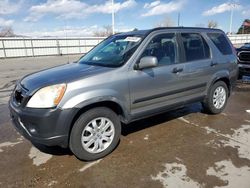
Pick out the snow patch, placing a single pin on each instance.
(146, 137)
(232, 176)
(211, 130)
(175, 175)
(208, 129)
(38, 157)
(184, 120)
(20, 139)
(52, 183)
(178, 159)
(8, 144)
(248, 111)
(213, 144)
(187, 121)
(241, 141)
(89, 165)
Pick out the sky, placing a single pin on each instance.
(83, 17)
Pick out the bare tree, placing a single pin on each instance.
(104, 32)
(7, 32)
(166, 22)
(212, 24)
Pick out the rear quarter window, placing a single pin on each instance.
(220, 42)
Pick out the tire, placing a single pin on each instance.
(83, 129)
(209, 104)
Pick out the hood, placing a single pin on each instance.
(60, 74)
(244, 47)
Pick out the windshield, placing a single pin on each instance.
(112, 52)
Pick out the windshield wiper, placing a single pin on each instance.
(101, 64)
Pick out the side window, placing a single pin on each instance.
(220, 42)
(195, 47)
(163, 47)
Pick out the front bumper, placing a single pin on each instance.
(49, 127)
(244, 69)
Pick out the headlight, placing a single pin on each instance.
(47, 97)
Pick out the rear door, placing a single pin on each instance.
(199, 66)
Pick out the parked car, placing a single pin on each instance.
(243, 54)
(127, 77)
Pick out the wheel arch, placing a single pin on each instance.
(116, 107)
(224, 79)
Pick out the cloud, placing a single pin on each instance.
(68, 9)
(159, 8)
(152, 4)
(6, 23)
(71, 31)
(246, 12)
(6, 7)
(220, 9)
(63, 32)
(107, 7)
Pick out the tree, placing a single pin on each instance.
(166, 22)
(212, 24)
(104, 32)
(7, 32)
(245, 27)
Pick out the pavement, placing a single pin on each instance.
(183, 148)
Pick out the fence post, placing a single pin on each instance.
(4, 52)
(25, 48)
(58, 47)
(85, 46)
(32, 48)
(79, 42)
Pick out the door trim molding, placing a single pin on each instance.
(169, 93)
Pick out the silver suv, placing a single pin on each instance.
(127, 77)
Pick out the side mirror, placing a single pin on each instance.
(147, 62)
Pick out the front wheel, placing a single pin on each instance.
(95, 134)
(216, 99)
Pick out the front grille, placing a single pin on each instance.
(244, 56)
(19, 94)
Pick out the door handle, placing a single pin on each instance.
(177, 70)
(213, 64)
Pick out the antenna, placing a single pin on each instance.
(113, 17)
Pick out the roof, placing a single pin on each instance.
(186, 28)
(146, 32)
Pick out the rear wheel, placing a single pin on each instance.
(95, 134)
(216, 99)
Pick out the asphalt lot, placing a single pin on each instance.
(184, 148)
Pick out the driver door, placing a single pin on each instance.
(152, 89)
